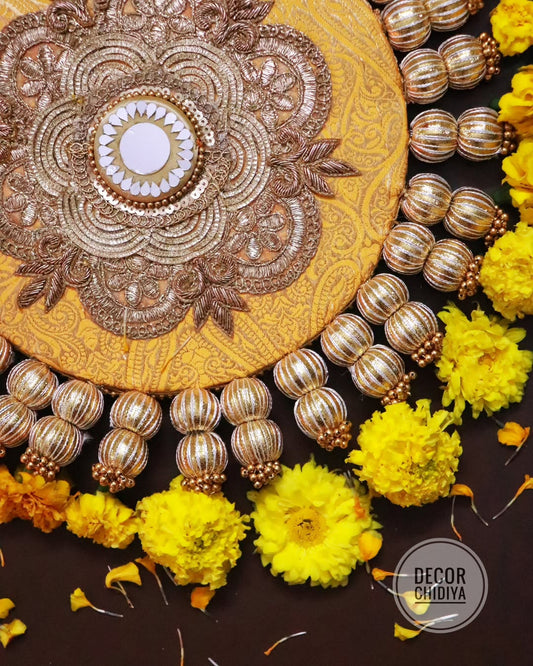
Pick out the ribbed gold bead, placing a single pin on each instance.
(464, 61)
(447, 264)
(200, 453)
(480, 135)
(244, 400)
(320, 409)
(6, 354)
(257, 442)
(425, 79)
(470, 214)
(16, 421)
(447, 15)
(55, 439)
(410, 327)
(406, 23)
(433, 136)
(377, 371)
(32, 383)
(427, 199)
(124, 451)
(137, 412)
(346, 338)
(379, 297)
(195, 409)
(406, 248)
(299, 372)
(79, 403)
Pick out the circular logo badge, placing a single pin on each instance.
(441, 585)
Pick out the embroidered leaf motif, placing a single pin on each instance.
(55, 290)
(31, 292)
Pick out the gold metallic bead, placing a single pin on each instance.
(447, 15)
(447, 264)
(471, 213)
(480, 135)
(79, 403)
(425, 79)
(464, 60)
(16, 421)
(379, 297)
(433, 135)
(427, 199)
(257, 442)
(406, 248)
(32, 383)
(346, 338)
(319, 410)
(245, 400)
(55, 440)
(377, 371)
(299, 372)
(6, 354)
(195, 409)
(410, 327)
(123, 451)
(200, 453)
(406, 23)
(137, 412)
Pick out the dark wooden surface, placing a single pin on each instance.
(345, 627)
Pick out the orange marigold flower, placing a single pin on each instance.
(42, 502)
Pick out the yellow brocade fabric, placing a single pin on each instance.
(369, 116)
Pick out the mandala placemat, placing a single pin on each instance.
(194, 194)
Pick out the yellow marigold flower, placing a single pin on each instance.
(195, 535)
(103, 518)
(512, 25)
(481, 363)
(10, 631)
(518, 168)
(32, 498)
(507, 273)
(516, 107)
(526, 213)
(6, 605)
(406, 455)
(7, 504)
(308, 527)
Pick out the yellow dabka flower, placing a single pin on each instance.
(481, 363)
(518, 168)
(195, 535)
(516, 107)
(32, 498)
(102, 518)
(309, 524)
(406, 455)
(512, 26)
(507, 273)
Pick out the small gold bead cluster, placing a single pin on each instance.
(401, 391)
(509, 143)
(38, 464)
(337, 438)
(497, 228)
(107, 476)
(470, 282)
(210, 484)
(492, 55)
(474, 6)
(429, 352)
(261, 473)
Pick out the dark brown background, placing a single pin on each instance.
(352, 625)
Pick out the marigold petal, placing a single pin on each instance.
(79, 600)
(6, 605)
(370, 544)
(513, 434)
(417, 605)
(126, 573)
(10, 630)
(201, 596)
(381, 574)
(405, 634)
